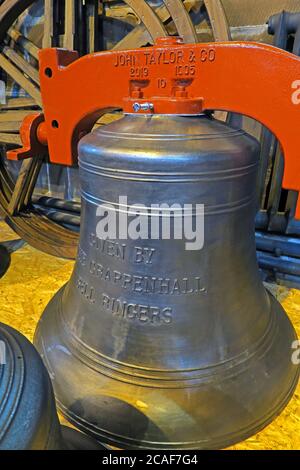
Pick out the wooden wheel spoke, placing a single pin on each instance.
(48, 23)
(151, 28)
(81, 25)
(136, 38)
(182, 20)
(27, 45)
(148, 16)
(10, 121)
(19, 77)
(10, 139)
(140, 35)
(70, 23)
(18, 103)
(10, 126)
(25, 184)
(218, 20)
(22, 64)
(92, 25)
(18, 115)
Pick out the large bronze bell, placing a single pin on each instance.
(151, 345)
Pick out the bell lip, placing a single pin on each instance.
(226, 441)
(160, 378)
(219, 442)
(75, 440)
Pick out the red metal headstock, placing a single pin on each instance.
(253, 79)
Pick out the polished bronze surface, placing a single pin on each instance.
(34, 277)
(202, 357)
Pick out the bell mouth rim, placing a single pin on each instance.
(73, 439)
(164, 378)
(171, 379)
(256, 409)
(215, 444)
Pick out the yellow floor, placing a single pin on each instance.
(34, 277)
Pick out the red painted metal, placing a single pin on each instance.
(256, 80)
(33, 137)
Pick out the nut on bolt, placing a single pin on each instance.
(142, 107)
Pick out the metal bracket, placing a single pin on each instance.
(256, 80)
